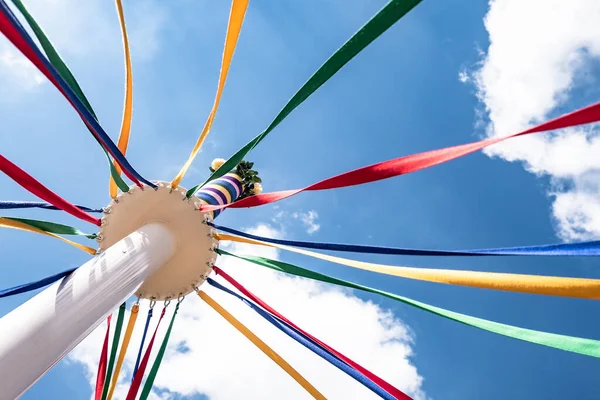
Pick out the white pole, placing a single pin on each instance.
(38, 334)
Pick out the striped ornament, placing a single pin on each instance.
(223, 190)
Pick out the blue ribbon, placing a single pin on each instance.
(590, 249)
(11, 205)
(308, 343)
(28, 287)
(139, 356)
(79, 106)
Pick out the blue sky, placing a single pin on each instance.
(400, 96)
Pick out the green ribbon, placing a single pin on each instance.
(113, 350)
(583, 346)
(66, 74)
(52, 227)
(159, 356)
(384, 19)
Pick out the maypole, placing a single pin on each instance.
(158, 240)
(39, 333)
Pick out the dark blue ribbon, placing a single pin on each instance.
(28, 287)
(11, 205)
(139, 356)
(591, 248)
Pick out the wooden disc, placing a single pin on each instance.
(195, 243)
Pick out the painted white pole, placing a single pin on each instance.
(38, 334)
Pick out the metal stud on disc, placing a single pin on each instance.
(194, 256)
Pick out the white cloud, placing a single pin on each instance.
(219, 362)
(578, 210)
(308, 219)
(16, 68)
(539, 52)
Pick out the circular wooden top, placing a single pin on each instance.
(194, 254)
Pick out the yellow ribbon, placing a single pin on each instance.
(262, 346)
(536, 284)
(130, 324)
(128, 106)
(9, 223)
(236, 18)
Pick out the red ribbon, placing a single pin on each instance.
(398, 394)
(20, 43)
(139, 375)
(412, 163)
(102, 365)
(35, 187)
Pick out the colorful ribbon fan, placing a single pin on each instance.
(233, 183)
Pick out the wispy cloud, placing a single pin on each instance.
(207, 356)
(16, 69)
(528, 72)
(307, 219)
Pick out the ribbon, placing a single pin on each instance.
(378, 24)
(535, 284)
(18, 36)
(396, 393)
(113, 350)
(32, 185)
(590, 248)
(126, 339)
(52, 227)
(11, 205)
(236, 19)
(573, 344)
(159, 356)
(139, 356)
(102, 364)
(269, 352)
(407, 164)
(16, 224)
(28, 287)
(128, 106)
(66, 74)
(139, 375)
